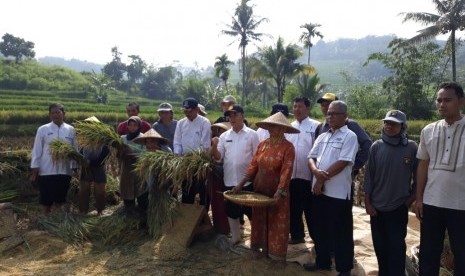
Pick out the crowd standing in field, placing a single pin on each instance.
(306, 167)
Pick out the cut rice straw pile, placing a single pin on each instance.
(14, 161)
(96, 134)
(168, 167)
(76, 230)
(7, 168)
(60, 150)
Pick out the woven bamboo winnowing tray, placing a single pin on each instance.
(249, 199)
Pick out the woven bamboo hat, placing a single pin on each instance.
(150, 134)
(278, 119)
(92, 119)
(224, 125)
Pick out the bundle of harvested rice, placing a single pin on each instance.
(71, 228)
(175, 169)
(93, 134)
(6, 168)
(60, 150)
(161, 210)
(14, 161)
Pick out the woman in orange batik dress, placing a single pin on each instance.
(271, 171)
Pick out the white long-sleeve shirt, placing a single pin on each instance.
(192, 135)
(237, 150)
(41, 157)
(303, 143)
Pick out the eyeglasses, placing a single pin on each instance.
(334, 114)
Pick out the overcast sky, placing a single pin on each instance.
(189, 31)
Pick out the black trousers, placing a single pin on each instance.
(435, 222)
(300, 191)
(236, 211)
(190, 190)
(388, 231)
(333, 228)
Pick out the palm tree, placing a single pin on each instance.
(222, 70)
(308, 34)
(243, 26)
(309, 86)
(279, 63)
(450, 18)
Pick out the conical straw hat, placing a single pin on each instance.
(150, 134)
(278, 119)
(92, 119)
(223, 125)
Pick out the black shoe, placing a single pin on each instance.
(314, 267)
(291, 241)
(344, 273)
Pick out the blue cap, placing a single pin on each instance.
(190, 103)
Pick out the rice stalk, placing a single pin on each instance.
(60, 150)
(168, 167)
(71, 228)
(95, 134)
(161, 210)
(13, 161)
(8, 195)
(6, 168)
(117, 229)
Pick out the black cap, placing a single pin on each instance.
(279, 107)
(234, 108)
(190, 103)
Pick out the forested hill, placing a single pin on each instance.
(336, 61)
(75, 64)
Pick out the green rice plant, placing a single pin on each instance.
(60, 150)
(95, 134)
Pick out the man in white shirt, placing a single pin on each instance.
(440, 203)
(331, 160)
(52, 176)
(301, 183)
(192, 133)
(236, 147)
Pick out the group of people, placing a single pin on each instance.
(307, 167)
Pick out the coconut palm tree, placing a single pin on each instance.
(222, 70)
(450, 17)
(308, 34)
(244, 26)
(309, 86)
(279, 63)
